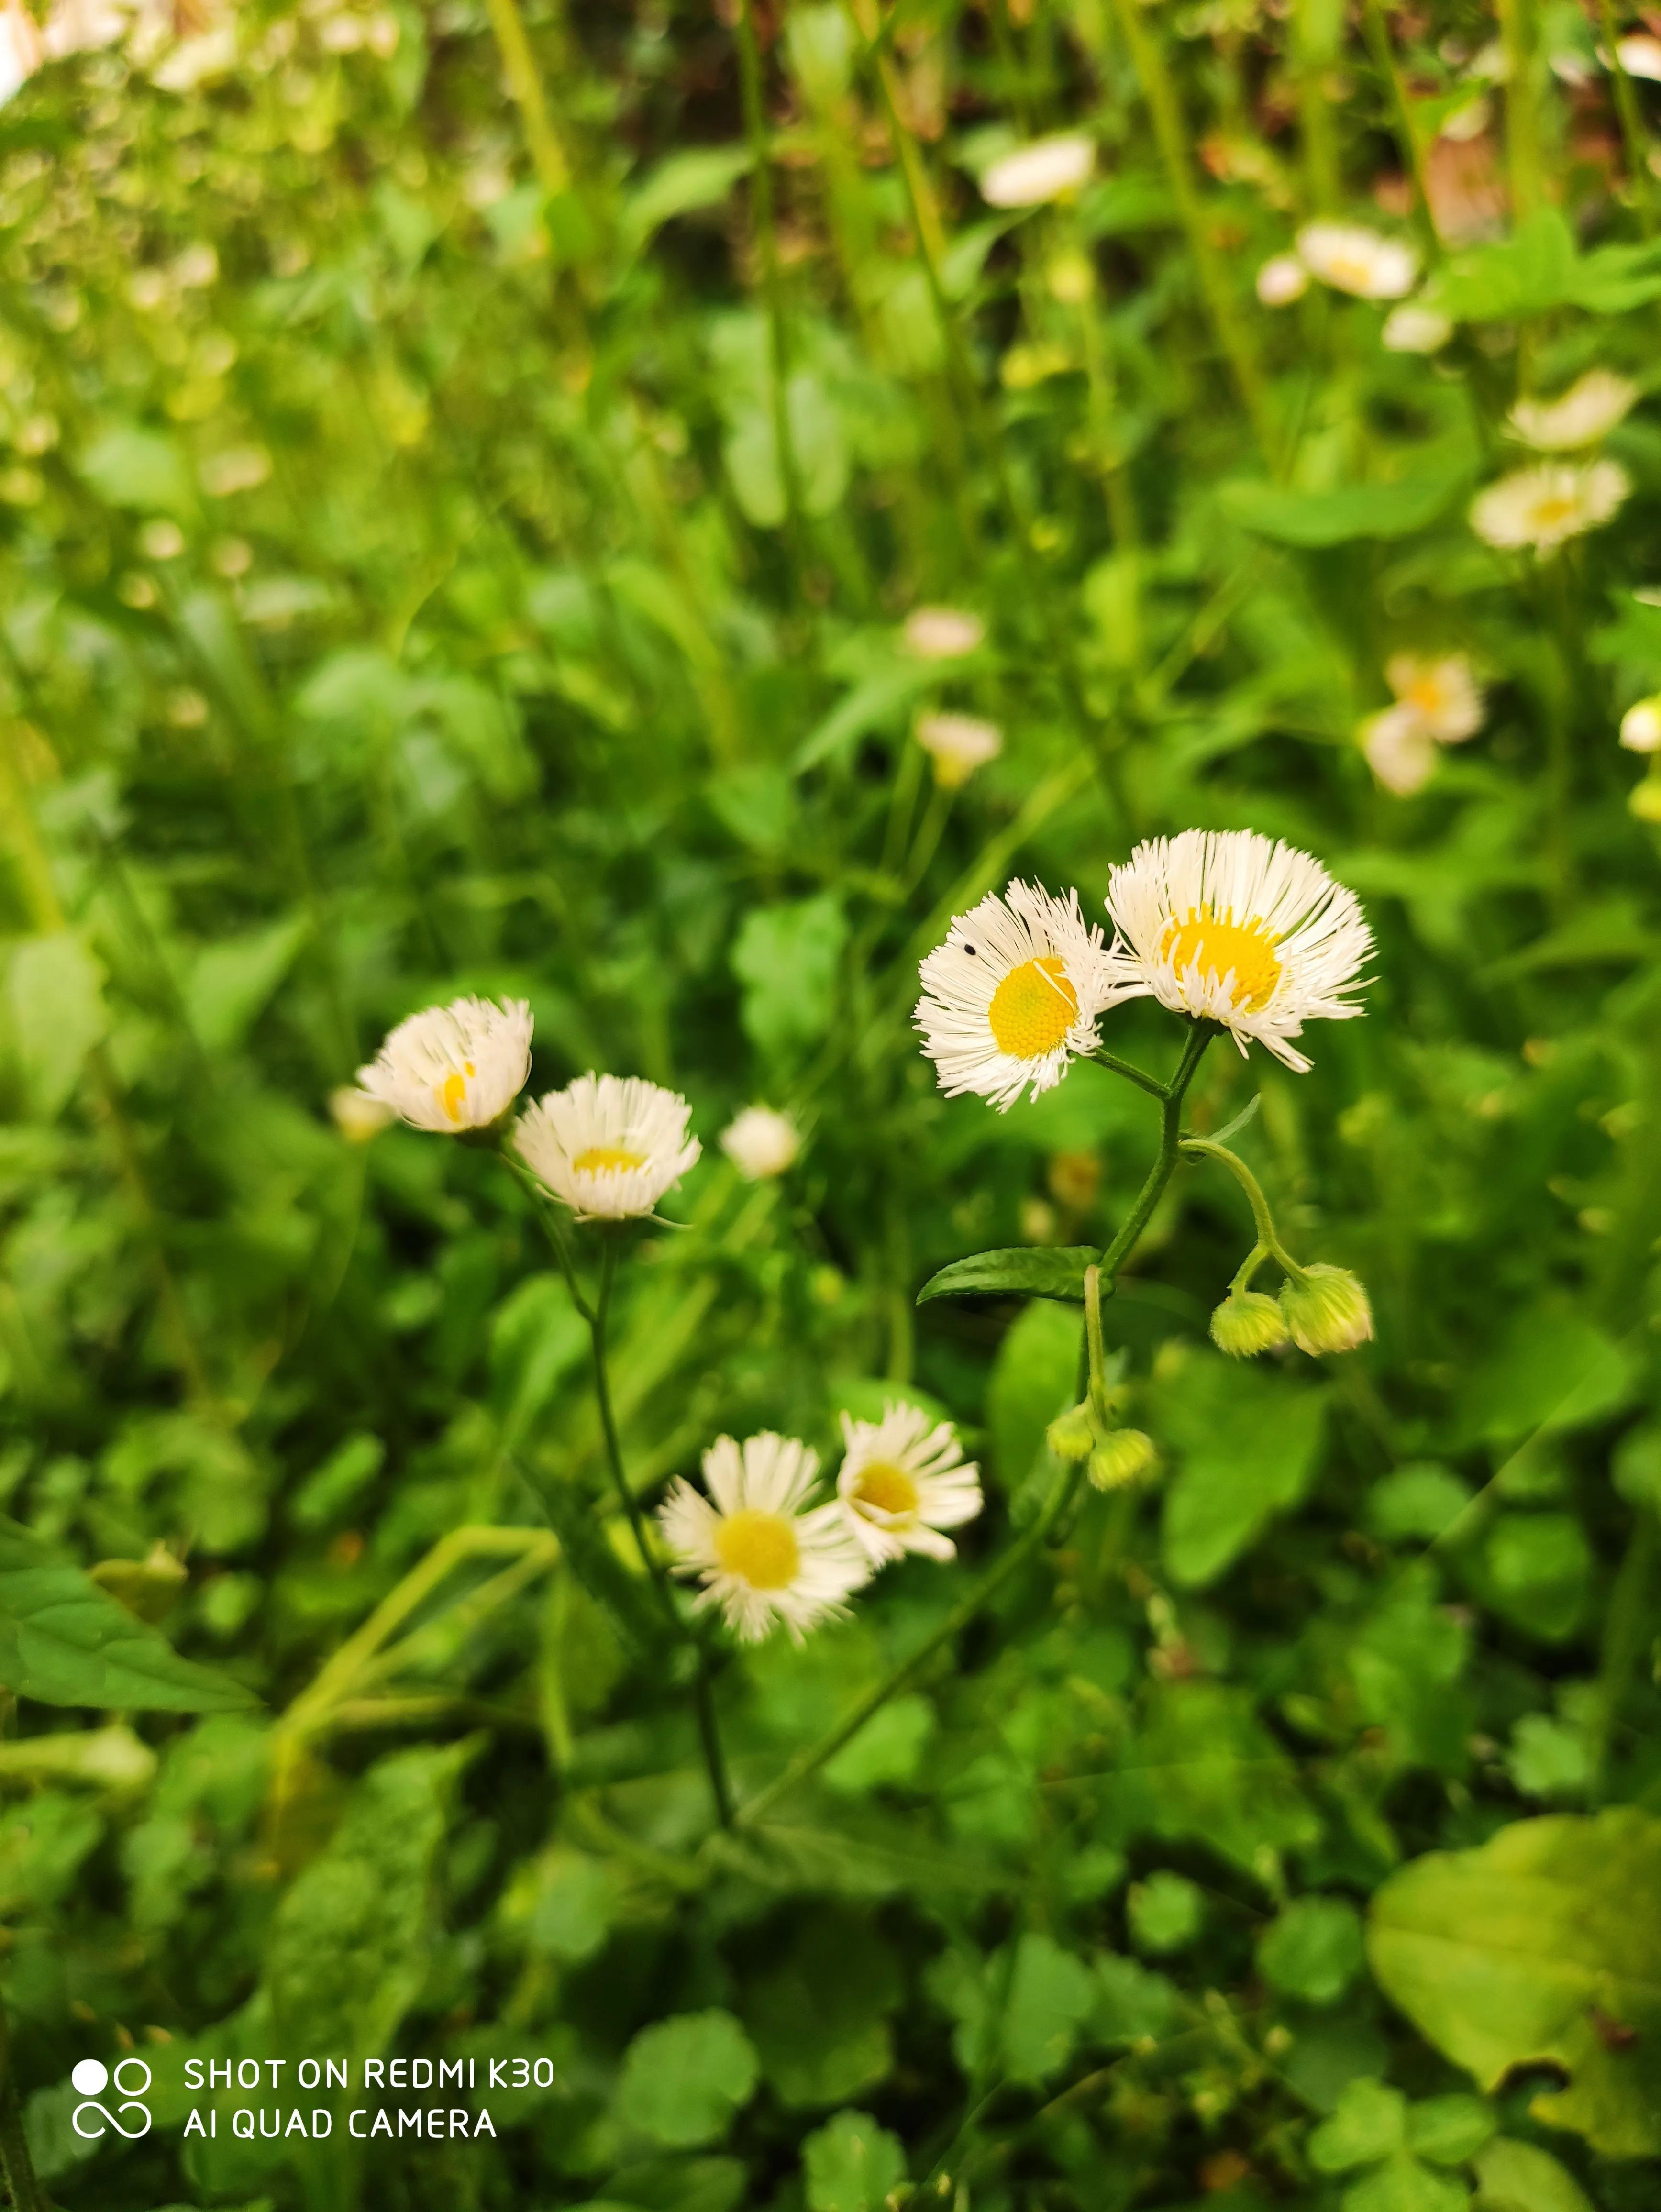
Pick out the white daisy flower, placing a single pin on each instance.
(903, 1479)
(1226, 926)
(1400, 750)
(1413, 329)
(453, 1067)
(957, 744)
(1543, 506)
(1352, 258)
(1640, 727)
(1282, 280)
(1012, 994)
(1441, 689)
(1045, 170)
(943, 633)
(761, 1143)
(761, 1558)
(1640, 56)
(21, 50)
(607, 1145)
(1587, 411)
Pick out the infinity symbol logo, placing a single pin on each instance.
(91, 2077)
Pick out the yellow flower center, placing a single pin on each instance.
(760, 1548)
(1033, 1008)
(889, 1488)
(1550, 512)
(452, 1091)
(1352, 271)
(1219, 946)
(605, 1160)
(1425, 695)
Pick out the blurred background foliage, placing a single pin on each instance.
(405, 589)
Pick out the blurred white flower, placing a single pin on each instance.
(357, 1115)
(761, 1558)
(1640, 727)
(1543, 506)
(1352, 258)
(761, 1143)
(1012, 996)
(943, 633)
(1400, 750)
(1282, 280)
(903, 1479)
(1640, 56)
(608, 1146)
(1441, 689)
(1413, 329)
(196, 267)
(1226, 926)
(957, 744)
(1587, 411)
(76, 26)
(161, 540)
(238, 468)
(1045, 170)
(453, 1067)
(192, 61)
(21, 50)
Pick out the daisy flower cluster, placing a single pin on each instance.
(1437, 702)
(767, 1551)
(1219, 926)
(1540, 507)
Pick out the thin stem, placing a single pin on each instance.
(767, 248)
(810, 1762)
(548, 156)
(1384, 60)
(1142, 1081)
(1625, 1626)
(715, 1759)
(1092, 1337)
(1172, 140)
(1631, 125)
(1517, 27)
(1170, 1130)
(1269, 1241)
(15, 2162)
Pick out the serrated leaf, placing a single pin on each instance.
(1542, 1947)
(1520, 2177)
(1036, 1271)
(684, 2078)
(66, 1642)
(851, 2164)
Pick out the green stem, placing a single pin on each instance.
(715, 1759)
(24, 2190)
(1131, 1073)
(1624, 1628)
(525, 86)
(1631, 125)
(1173, 141)
(626, 1498)
(809, 1762)
(1517, 27)
(1170, 1130)
(761, 209)
(1269, 1240)
(1384, 60)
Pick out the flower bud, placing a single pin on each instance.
(1121, 1455)
(1643, 800)
(1246, 1323)
(1326, 1309)
(1071, 1436)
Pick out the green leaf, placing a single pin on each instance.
(1534, 270)
(1535, 1568)
(1248, 1445)
(66, 1642)
(1034, 1378)
(352, 1942)
(1205, 1769)
(55, 990)
(1419, 1502)
(232, 981)
(1542, 1946)
(888, 1749)
(1554, 1370)
(1316, 518)
(1314, 1949)
(1164, 1912)
(1131, 2001)
(1402, 2185)
(788, 959)
(683, 2078)
(850, 2165)
(1450, 2130)
(698, 177)
(575, 1903)
(1027, 1271)
(1370, 2123)
(1051, 1995)
(1519, 2177)
(140, 470)
(818, 2016)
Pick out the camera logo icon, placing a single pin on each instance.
(90, 2078)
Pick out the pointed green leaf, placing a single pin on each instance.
(1036, 1271)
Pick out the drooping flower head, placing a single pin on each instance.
(1013, 994)
(1412, 328)
(1399, 748)
(957, 744)
(762, 1553)
(1587, 411)
(1229, 927)
(1047, 169)
(1282, 279)
(943, 633)
(761, 1143)
(608, 1146)
(1543, 506)
(1441, 689)
(1352, 259)
(453, 1067)
(903, 1479)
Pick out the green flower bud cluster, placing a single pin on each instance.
(1113, 1456)
(1321, 1308)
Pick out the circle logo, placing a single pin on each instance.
(89, 2078)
